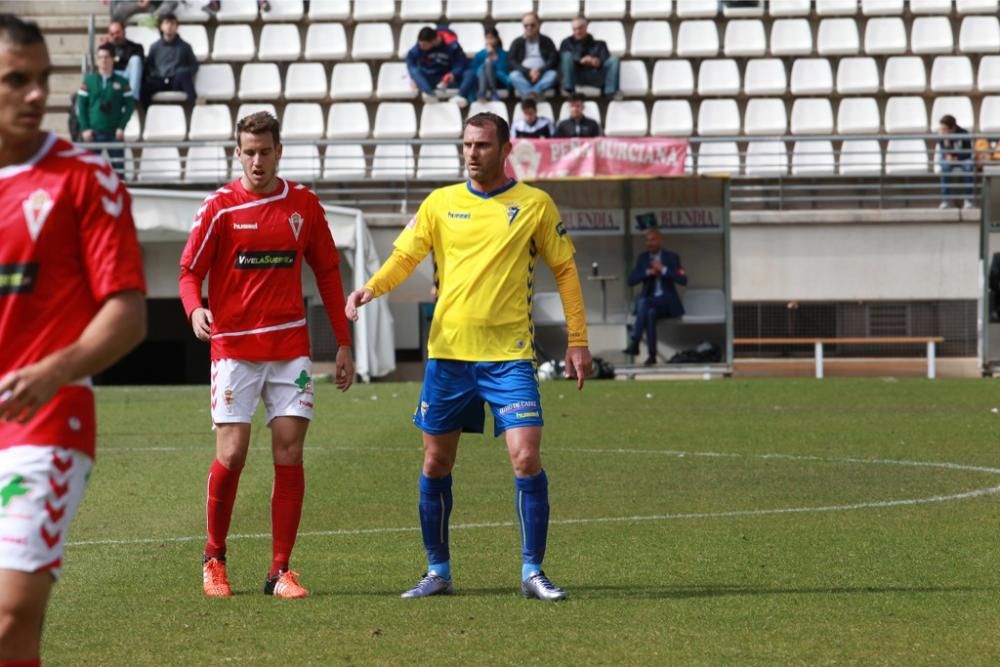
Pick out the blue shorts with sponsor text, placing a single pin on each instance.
(455, 392)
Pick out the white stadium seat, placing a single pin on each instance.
(351, 81)
(905, 74)
(508, 31)
(284, 10)
(952, 74)
(766, 158)
(718, 78)
(133, 129)
(860, 157)
(745, 37)
(697, 39)
(979, 34)
(885, 36)
(857, 76)
(470, 36)
(142, 35)
(612, 32)
(837, 37)
(302, 120)
(626, 119)
(306, 81)
(189, 12)
(931, 34)
(438, 161)
(977, 7)
(988, 80)
(718, 118)
(791, 37)
(492, 106)
(165, 122)
(215, 82)
(395, 120)
(931, 6)
(197, 37)
(211, 122)
(687, 9)
(789, 7)
(347, 120)
(206, 164)
(652, 39)
(237, 11)
(439, 121)
(882, 7)
(745, 10)
(765, 76)
(959, 107)
(812, 116)
(590, 110)
(765, 116)
(260, 81)
(160, 164)
(393, 161)
(905, 115)
(326, 41)
(603, 9)
(558, 9)
(420, 10)
(510, 10)
(718, 157)
(466, 10)
(373, 41)
(989, 114)
(408, 37)
(671, 118)
(234, 43)
(906, 156)
(672, 78)
(344, 162)
(633, 80)
(836, 7)
(329, 10)
(858, 115)
(811, 76)
(394, 82)
(374, 10)
(280, 41)
(557, 31)
(812, 158)
(300, 163)
(650, 9)
(248, 108)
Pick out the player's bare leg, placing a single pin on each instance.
(288, 436)
(22, 613)
(232, 441)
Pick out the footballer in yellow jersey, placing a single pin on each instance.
(486, 235)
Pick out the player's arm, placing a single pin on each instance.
(196, 259)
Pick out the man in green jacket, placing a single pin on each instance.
(105, 104)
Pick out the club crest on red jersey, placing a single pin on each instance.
(295, 220)
(37, 207)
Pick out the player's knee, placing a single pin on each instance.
(20, 626)
(437, 465)
(288, 454)
(526, 463)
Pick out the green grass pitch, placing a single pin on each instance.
(792, 522)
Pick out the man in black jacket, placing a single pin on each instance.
(171, 64)
(586, 61)
(129, 56)
(577, 125)
(659, 271)
(533, 60)
(955, 149)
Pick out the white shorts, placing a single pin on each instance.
(237, 387)
(40, 491)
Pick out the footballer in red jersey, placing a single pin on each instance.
(71, 303)
(249, 239)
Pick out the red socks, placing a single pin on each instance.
(222, 485)
(286, 510)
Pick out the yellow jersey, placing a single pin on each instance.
(485, 246)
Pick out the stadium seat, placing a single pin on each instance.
(395, 120)
(590, 110)
(300, 163)
(326, 41)
(260, 81)
(697, 39)
(743, 10)
(215, 82)
(393, 161)
(558, 9)
(142, 35)
(351, 81)
(765, 76)
(882, 7)
(373, 41)
(812, 158)
(211, 122)
(206, 164)
(160, 164)
(248, 108)
(766, 158)
(237, 11)
(905, 114)
(633, 80)
(811, 76)
(689, 9)
(544, 109)
(837, 37)
(650, 9)
(438, 121)
(470, 36)
(718, 118)
(508, 31)
(671, 118)
(626, 119)
(165, 122)
(959, 107)
(789, 7)
(673, 78)
(280, 42)
(651, 39)
(977, 7)
(492, 106)
(347, 120)
(344, 162)
(812, 116)
(329, 10)
(408, 37)
(133, 129)
(836, 7)
(885, 36)
(989, 114)
(765, 116)
(857, 76)
(234, 43)
(302, 120)
(197, 37)
(905, 74)
(438, 161)
(466, 10)
(612, 32)
(188, 13)
(989, 74)
(557, 31)
(604, 9)
(306, 81)
(931, 34)
(860, 157)
(394, 82)
(952, 74)
(791, 37)
(420, 10)
(374, 10)
(931, 6)
(745, 38)
(284, 10)
(718, 78)
(858, 115)
(906, 156)
(511, 10)
(979, 34)
(718, 157)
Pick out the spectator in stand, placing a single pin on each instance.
(435, 63)
(530, 125)
(487, 73)
(659, 271)
(129, 56)
(586, 61)
(534, 60)
(104, 106)
(171, 64)
(122, 10)
(956, 153)
(577, 125)
(987, 153)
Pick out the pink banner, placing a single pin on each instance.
(554, 158)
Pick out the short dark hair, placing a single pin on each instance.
(488, 118)
(575, 97)
(427, 34)
(493, 32)
(261, 122)
(528, 103)
(949, 121)
(107, 47)
(167, 17)
(20, 33)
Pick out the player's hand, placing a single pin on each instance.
(578, 362)
(345, 368)
(201, 323)
(87, 135)
(355, 300)
(120, 134)
(26, 389)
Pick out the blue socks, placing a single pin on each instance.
(531, 502)
(435, 509)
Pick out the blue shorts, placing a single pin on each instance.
(454, 394)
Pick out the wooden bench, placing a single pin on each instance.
(818, 343)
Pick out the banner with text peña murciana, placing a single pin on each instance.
(604, 156)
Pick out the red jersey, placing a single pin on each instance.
(67, 243)
(251, 248)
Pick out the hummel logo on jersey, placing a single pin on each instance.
(245, 225)
(296, 222)
(266, 259)
(512, 212)
(37, 207)
(459, 216)
(17, 278)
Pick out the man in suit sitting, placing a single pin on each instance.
(659, 271)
